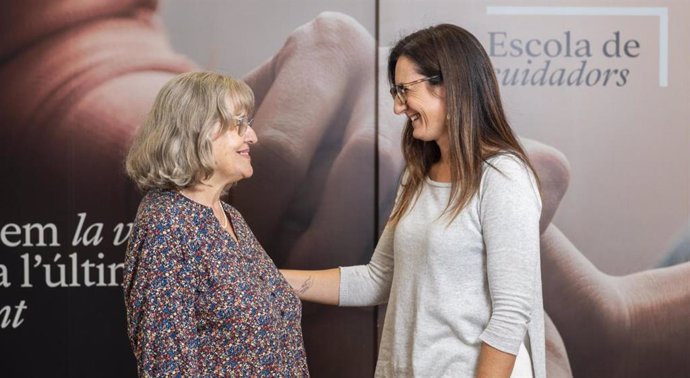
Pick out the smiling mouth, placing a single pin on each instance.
(413, 117)
(244, 153)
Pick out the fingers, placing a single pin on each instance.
(24, 23)
(345, 210)
(348, 202)
(260, 80)
(316, 78)
(342, 230)
(44, 82)
(553, 171)
(301, 121)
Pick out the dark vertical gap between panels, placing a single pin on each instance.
(376, 124)
(375, 335)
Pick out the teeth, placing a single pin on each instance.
(414, 117)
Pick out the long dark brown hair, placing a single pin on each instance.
(477, 126)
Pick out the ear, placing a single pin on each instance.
(439, 90)
(217, 131)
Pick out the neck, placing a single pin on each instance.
(202, 193)
(440, 171)
(445, 152)
(207, 194)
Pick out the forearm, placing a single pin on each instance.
(494, 363)
(320, 286)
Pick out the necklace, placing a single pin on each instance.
(225, 216)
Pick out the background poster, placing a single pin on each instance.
(622, 123)
(603, 83)
(80, 77)
(606, 85)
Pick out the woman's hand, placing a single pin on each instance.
(630, 326)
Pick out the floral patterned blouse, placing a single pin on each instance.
(201, 305)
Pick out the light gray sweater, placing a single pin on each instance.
(450, 287)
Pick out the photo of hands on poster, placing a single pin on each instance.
(597, 94)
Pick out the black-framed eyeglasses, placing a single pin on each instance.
(242, 123)
(399, 91)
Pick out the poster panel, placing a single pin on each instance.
(80, 77)
(603, 87)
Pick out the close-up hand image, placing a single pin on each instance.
(345, 188)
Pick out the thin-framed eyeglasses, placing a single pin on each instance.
(242, 123)
(399, 91)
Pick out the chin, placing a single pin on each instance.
(421, 136)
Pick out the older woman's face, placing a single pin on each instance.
(231, 153)
(425, 106)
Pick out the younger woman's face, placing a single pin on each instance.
(425, 106)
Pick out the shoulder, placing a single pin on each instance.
(153, 229)
(157, 205)
(506, 163)
(508, 167)
(167, 220)
(167, 214)
(508, 173)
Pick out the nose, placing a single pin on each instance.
(398, 106)
(250, 136)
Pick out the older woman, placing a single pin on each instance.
(202, 296)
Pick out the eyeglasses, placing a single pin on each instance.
(242, 123)
(399, 91)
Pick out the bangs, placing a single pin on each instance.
(241, 101)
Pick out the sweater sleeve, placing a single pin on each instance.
(370, 284)
(509, 210)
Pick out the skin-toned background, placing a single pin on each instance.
(627, 146)
(312, 204)
(623, 144)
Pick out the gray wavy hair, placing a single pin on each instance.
(172, 150)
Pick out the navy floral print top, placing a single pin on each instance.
(201, 305)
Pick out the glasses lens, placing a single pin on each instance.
(241, 123)
(398, 93)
